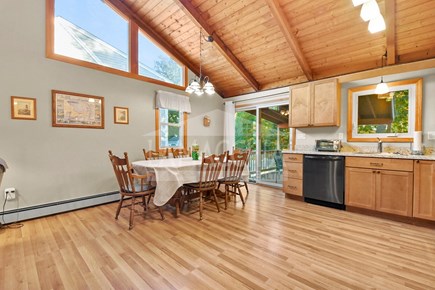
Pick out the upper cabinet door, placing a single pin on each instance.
(315, 104)
(325, 103)
(300, 103)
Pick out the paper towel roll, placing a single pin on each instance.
(416, 146)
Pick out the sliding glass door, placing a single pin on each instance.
(264, 130)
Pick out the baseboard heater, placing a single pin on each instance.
(26, 213)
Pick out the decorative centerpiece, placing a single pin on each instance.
(195, 151)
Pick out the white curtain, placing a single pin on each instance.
(229, 126)
(172, 101)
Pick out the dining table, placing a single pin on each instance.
(170, 175)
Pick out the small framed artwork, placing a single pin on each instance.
(120, 115)
(206, 121)
(23, 108)
(77, 110)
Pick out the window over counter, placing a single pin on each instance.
(94, 34)
(393, 116)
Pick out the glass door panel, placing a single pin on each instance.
(273, 138)
(246, 137)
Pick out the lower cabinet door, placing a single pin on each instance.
(394, 192)
(424, 189)
(360, 188)
(293, 186)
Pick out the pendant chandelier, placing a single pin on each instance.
(201, 85)
(382, 88)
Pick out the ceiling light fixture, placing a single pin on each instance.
(377, 24)
(195, 85)
(358, 2)
(382, 88)
(370, 10)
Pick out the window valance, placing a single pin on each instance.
(172, 101)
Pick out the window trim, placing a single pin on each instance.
(157, 122)
(133, 50)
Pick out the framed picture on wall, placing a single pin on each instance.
(23, 108)
(120, 115)
(77, 110)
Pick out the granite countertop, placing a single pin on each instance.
(365, 154)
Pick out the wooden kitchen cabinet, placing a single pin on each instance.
(360, 186)
(424, 189)
(292, 174)
(315, 104)
(380, 184)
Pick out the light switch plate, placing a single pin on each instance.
(431, 135)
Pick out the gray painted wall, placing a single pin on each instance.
(49, 164)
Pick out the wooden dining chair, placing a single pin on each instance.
(151, 155)
(131, 185)
(164, 153)
(180, 153)
(238, 151)
(233, 167)
(210, 169)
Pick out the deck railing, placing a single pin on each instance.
(267, 162)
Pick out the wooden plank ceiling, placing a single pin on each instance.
(264, 44)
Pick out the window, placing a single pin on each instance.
(95, 34)
(91, 31)
(394, 116)
(156, 64)
(171, 129)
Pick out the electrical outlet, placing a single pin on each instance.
(340, 136)
(10, 193)
(431, 135)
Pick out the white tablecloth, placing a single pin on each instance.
(171, 174)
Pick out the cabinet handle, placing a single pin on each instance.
(376, 164)
(291, 187)
(378, 172)
(374, 171)
(292, 158)
(418, 161)
(292, 171)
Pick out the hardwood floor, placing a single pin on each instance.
(273, 243)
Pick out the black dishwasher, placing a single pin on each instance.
(323, 180)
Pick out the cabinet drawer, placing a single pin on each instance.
(380, 163)
(293, 186)
(293, 170)
(293, 158)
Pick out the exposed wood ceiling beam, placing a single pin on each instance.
(390, 15)
(416, 55)
(388, 70)
(286, 29)
(196, 17)
(118, 4)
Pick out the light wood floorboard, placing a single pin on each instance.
(272, 243)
